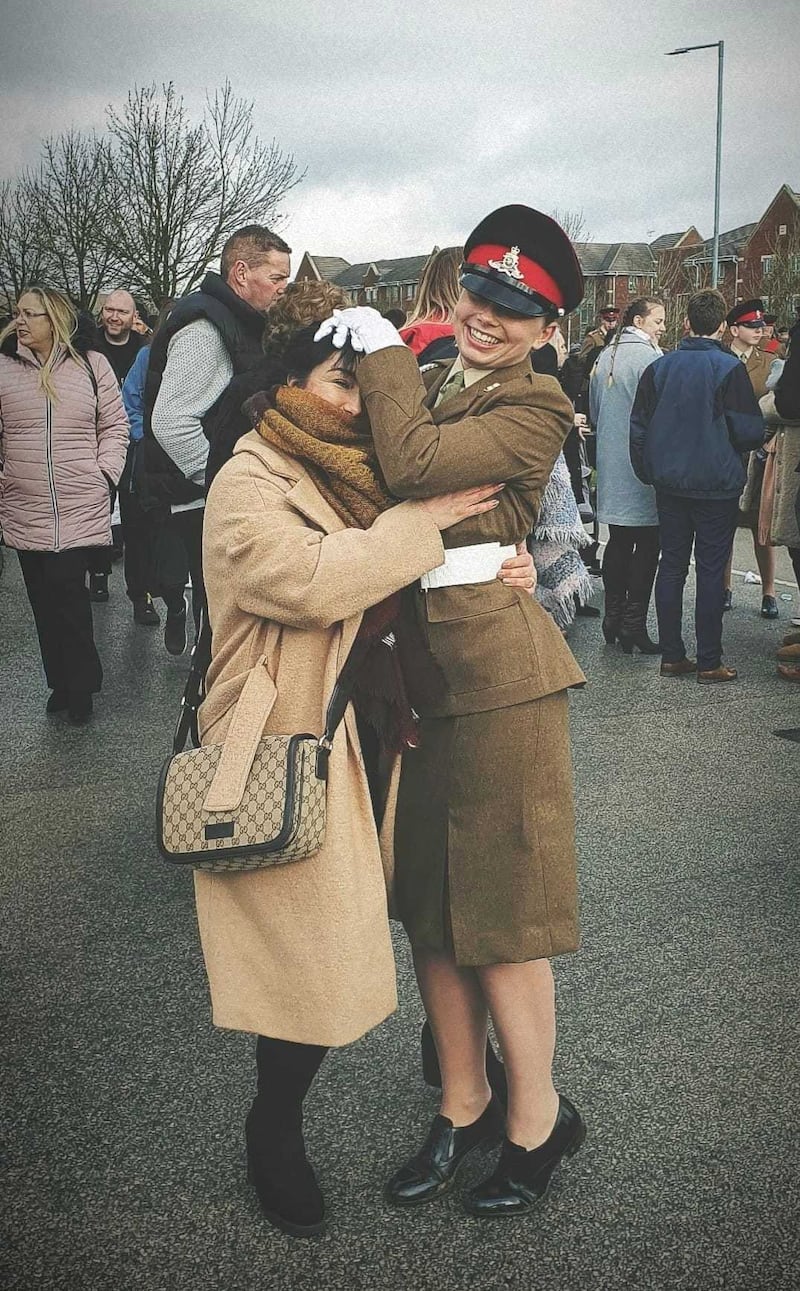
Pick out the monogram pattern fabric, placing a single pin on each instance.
(272, 797)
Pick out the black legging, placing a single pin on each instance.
(285, 1073)
(630, 561)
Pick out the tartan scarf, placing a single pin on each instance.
(396, 673)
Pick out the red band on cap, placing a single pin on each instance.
(755, 316)
(532, 274)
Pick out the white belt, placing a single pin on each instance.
(478, 564)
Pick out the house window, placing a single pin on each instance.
(633, 284)
(781, 229)
(794, 264)
(766, 265)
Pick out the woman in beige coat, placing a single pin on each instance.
(301, 954)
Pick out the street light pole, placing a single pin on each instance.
(719, 45)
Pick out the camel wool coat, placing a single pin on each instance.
(300, 952)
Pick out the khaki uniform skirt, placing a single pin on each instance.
(485, 835)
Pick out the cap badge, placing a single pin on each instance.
(509, 265)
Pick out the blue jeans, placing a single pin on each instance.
(710, 525)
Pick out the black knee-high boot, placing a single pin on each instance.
(276, 1157)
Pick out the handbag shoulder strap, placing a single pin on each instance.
(247, 727)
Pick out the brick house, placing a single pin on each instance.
(760, 259)
(616, 273)
(384, 284)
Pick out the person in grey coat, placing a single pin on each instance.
(624, 503)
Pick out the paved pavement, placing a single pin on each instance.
(678, 1037)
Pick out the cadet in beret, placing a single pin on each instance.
(746, 327)
(483, 835)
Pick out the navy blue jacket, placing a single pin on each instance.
(694, 415)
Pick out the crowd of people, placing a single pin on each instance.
(333, 489)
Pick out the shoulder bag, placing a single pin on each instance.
(255, 800)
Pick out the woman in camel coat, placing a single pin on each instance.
(300, 954)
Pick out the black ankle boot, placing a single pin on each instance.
(282, 1176)
(633, 631)
(612, 620)
(521, 1178)
(277, 1164)
(432, 1172)
(495, 1071)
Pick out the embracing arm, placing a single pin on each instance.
(282, 568)
(511, 440)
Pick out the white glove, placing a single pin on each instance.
(366, 329)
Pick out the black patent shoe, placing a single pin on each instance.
(285, 1183)
(769, 607)
(521, 1179)
(431, 1074)
(432, 1172)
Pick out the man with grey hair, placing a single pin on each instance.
(210, 336)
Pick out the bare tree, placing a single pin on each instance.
(67, 200)
(573, 223)
(180, 189)
(22, 259)
(780, 283)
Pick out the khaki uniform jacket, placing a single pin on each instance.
(590, 342)
(496, 645)
(301, 952)
(758, 367)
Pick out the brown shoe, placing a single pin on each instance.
(788, 653)
(789, 671)
(680, 669)
(791, 638)
(712, 675)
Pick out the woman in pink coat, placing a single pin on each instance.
(63, 440)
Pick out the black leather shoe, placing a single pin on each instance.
(58, 702)
(145, 612)
(522, 1178)
(727, 603)
(432, 1172)
(285, 1183)
(175, 631)
(769, 607)
(98, 587)
(495, 1070)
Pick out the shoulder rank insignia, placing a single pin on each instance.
(509, 265)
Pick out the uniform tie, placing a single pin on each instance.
(452, 386)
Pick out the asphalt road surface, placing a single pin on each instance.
(678, 1020)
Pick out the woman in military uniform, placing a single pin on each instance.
(485, 879)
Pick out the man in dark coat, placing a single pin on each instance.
(209, 337)
(694, 415)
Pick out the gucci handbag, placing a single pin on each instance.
(256, 800)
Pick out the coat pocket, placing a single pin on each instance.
(479, 636)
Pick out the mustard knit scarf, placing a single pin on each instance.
(336, 450)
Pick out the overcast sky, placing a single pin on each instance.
(415, 118)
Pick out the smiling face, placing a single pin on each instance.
(117, 316)
(329, 381)
(654, 322)
(489, 336)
